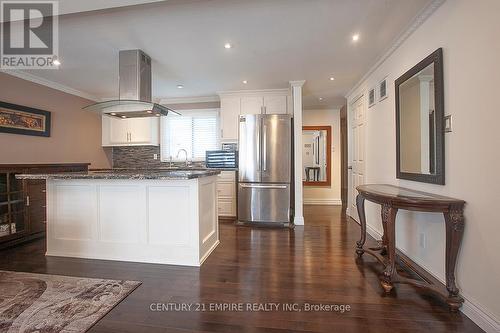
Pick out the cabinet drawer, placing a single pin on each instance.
(227, 208)
(227, 176)
(226, 189)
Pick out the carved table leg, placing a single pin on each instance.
(360, 203)
(383, 251)
(455, 223)
(389, 220)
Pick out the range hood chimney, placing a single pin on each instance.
(135, 90)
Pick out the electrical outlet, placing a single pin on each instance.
(155, 156)
(422, 241)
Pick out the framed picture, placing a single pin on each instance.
(382, 90)
(371, 97)
(17, 119)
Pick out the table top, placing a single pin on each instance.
(404, 195)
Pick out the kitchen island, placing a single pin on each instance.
(164, 217)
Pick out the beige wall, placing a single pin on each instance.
(325, 195)
(75, 136)
(468, 33)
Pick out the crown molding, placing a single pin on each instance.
(298, 83)
(50, 84)
(421, 17)
(185, 100)
(285, 91)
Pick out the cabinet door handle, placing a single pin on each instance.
(27, 200)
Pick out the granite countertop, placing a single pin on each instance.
(125, 174)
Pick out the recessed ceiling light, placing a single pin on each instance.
(332, 79)
(245, 81)
(56, 62)
(113, 114)
(227, 45)
(355, 37)
(124, 117)
(180, 86)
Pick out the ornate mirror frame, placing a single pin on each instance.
(438, 177)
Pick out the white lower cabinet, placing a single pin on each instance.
(226, 194)
(130, 132)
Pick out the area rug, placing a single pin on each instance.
(52, 303)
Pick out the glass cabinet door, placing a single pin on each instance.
(12, 205)
(4, 206)
(17, 210)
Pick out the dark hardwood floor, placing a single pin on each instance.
(312, 264)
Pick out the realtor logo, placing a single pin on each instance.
(29, 37)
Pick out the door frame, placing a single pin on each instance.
(351, 142)
(344, 172)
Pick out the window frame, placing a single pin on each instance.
(186, 113)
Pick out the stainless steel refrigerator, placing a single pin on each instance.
(265, 144)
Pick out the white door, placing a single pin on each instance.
(275, 104)
(251, 105)
(229, 114)
(118, 130)
(358, 125)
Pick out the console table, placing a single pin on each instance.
(391, 198)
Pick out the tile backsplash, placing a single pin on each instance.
(140, 157)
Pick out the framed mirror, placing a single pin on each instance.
(316, 155)
(419, 121)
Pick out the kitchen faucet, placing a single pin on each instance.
(186, 153)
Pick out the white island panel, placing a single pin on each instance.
(122, 214)
(74, 210)
(166, 209)
(152, 221)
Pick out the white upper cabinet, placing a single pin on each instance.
(229, 116)
(275, 104)
(130, 132)
(236, 103)
(252, 105)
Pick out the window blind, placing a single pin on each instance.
(195, 131)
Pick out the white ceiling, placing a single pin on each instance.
(274, 42)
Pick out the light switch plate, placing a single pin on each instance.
(155, 156)
(447, 124)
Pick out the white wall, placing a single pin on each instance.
(321, 194)
(468, 33)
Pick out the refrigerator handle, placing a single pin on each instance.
(266, 186)
(258, 149)
(264, 147)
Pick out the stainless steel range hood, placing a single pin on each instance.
(135, 90)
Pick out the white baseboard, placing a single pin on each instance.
(471, 308)
(329, 202)
(482, 317)
(298, 220)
